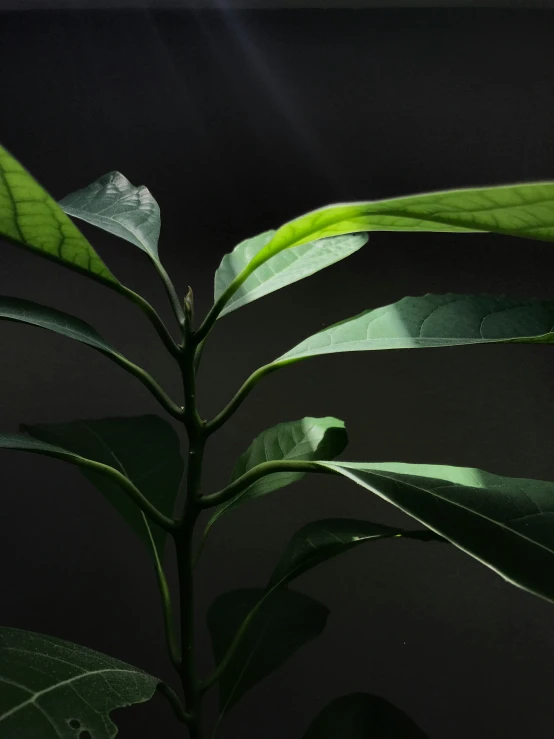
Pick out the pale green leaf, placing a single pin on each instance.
(145, 449)
(433, 321)
(308, 439)
(284, 621)
(115, 205)
(53, 689)
(29, 217)
(505, 523)
(283, 269)
(362, 716)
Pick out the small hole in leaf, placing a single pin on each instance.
(75, 724)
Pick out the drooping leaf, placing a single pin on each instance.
(143, 448)
(29, 217)
(506, 523)
(285, 621)
(434, 321)
(53, 689)
(316, 542)
(362, 716)
(308, 439)
(113, 204)
(525, 210)
(283, 269)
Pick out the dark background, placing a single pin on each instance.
(237, 123)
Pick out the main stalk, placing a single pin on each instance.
(184, 535)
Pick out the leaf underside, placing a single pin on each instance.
(53, 689)
(29, 217)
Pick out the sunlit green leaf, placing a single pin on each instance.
(362, 716)
(53, 689)
(113, 204)
(283, 269)
(143, 448)
(285, 621)
(308, 439)
(434, 321)
(29, 217)
(506, 523)
(319, 541)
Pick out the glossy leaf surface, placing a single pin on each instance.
(283, 269)
(286, 621)
(318, 541)
(517, 210)
(506, 523)
(434, 321)
(143, 448)
(53, 689)
(308, 439)
(113, 204)
(29, 217)
(363, 716)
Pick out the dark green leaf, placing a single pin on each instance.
(433, 321)
(53, 689)
(321, 540)
(143, 448)
(363, 716)
(505, 523)
(285, 621)
(113, 204)
(283, 269)
(308, 439)
(29, 217)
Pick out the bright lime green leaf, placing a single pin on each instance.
(362, 716)
(433, 321)
(517, 210)
(145, 449)
(505, 523)
(53, 689)
(29, 217)
(319, 541)
(283, 622)
(283, 269)
(308, 439)
(113, 204)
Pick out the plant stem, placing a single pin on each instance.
(184, 535)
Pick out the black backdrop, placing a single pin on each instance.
(238, 122)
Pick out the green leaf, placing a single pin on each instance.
(283, 269)
(505, 523)
(525, 210)
(285, 621)
(29, 217)
(113, 204)
(316, 542)
(308, 439)
(145, 449)
(433, 321)
(362, 716)
(53, 689)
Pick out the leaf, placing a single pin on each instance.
(53, 689)
(285, 621)
(362, 716)
(321, 540)
(525, 210)
(308, 439)
(283, 269)
(29, 217)
(113, 204)
(145, 449)
(506, 523)
(433, 321)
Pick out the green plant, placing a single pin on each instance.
(52, 688)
